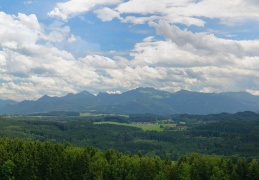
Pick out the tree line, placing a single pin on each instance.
(28, 159)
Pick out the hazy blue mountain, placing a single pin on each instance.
(141, 101)
(82, 101)
(208, 103)
(6, 102)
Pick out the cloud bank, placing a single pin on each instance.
(38, 59)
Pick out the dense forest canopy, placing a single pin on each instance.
(26, 159)
(67, 145)
(173, 136)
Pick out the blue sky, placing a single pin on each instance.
(57, 47)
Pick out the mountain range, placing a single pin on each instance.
(138, 101)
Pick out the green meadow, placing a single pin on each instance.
(144, 127)
(87, 114)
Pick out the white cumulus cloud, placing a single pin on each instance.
(107, 14)
(73, 7)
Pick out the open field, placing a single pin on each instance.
(86, 114)
(144, 126)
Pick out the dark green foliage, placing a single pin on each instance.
(7, 170)
(26, 159)
(253, 170)
(207, 136)
(57, 113)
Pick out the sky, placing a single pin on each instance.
(56, 47)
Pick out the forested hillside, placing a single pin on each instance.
(220, 134)
(26, 159)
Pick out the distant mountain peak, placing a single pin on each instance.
(184, 91)
(146, 89)
(148, 92)
(85, 93)
(45, 97)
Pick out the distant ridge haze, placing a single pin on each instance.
(140, 100)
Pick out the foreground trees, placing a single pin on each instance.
(26, 159)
